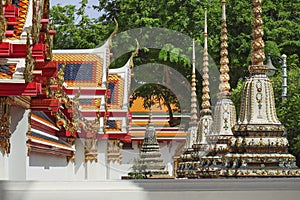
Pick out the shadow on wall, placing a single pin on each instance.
(47, 161)
(17, 114)
(2, 190)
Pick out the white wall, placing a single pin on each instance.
(168, 150)
(49, 167)
(17, 159)
(97, 170)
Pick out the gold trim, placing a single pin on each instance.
(5, 133)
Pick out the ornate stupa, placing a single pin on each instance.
(185, 163)
(192, 160)
(150, 161)
(224, 112)
(259, 148)
(193, 124)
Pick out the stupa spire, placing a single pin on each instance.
(205, 113)
(224, 113)
(194, 158)
(257, 55)
(224, 86)
(192, 130)
(194, 117)
(205, 83)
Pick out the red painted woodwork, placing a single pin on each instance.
(12, 21)
(5, 49)
(52, 32)
(10, 11)
(85, 91)
(9, 33)
(38, 52)
(12, 50)
(118, 135)
(20, 89)
(18, 51)
(44, 21)
(45, 104)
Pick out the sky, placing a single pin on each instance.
(90, 11)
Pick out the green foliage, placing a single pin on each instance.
(237, 95)
(289, 110)
(75, 30)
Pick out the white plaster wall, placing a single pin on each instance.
(49, 167)
(168, 150)
(79, 165)
(3, 167)
(17, 159)
(118, 170)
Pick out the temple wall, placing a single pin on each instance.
(97, 170)
(3, 167)
(168, 150)
(117, 170)
(49, 167)
(16, 161)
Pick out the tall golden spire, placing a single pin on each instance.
(224, 111)
(193, 124)
(205, 83)
(224, 86)
(194, 116)
(257, 54)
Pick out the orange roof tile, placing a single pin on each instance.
(119, 91)
(23, 8)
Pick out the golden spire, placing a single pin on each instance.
(257, 54)
(194, 116)
(224, 86)
(205, 83)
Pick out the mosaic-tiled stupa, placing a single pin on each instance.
(259, 148)
(193, 162)
(224, 112)
(150, 161)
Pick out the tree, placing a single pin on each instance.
(289, 110)
(75, 30)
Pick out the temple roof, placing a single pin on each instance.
(82, 70)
